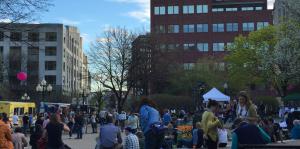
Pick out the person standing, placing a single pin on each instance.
(5, 135)
(246, 109)
(223, 137)
(133, 122)
(210, 124)
(19, 139)
(54, 131)
(39, 120)
(71, 126)
(150, 119)
(167, 117)
(110, 135)
(122, 119)
(79, 122)
(35, 136)
(102, 115)
(94, 123)
(131, 141)
(15, 119)
(25, 120)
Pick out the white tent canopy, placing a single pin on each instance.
(215, 94)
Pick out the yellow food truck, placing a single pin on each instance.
(20, 108)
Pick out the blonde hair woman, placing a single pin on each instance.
(246, 109)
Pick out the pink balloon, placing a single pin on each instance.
(22, 76)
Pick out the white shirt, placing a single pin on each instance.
(222, 133)
(242, 112)
(15, 119)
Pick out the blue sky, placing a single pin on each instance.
(92, 17)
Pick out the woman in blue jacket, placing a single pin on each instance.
(148, 117)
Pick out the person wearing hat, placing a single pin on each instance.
(131, 141)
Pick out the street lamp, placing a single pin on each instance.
(84, 94)
(225, 87)
(25, 97)
(43, 87)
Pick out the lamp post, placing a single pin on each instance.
(225, 87)
(84, 94)
(43, 87)
(25, 97)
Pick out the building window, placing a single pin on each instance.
(232, 27)
(50, 65)
(188, 9)
(231, 9)
(33, 51)
(33, 36)
(202, 9)
(249, 26)
(247, 8)
(160, 29)
(217, 9)
(15, 36)
(173, 28)
(51, 36)
(261, 25)
(1, 36)
(259, 8)
(202, 27)
(51, 79)
(203, 47)
(189, 28)
(218, 27)
(228, 46)
(50, 51)
(173, 46)
(160, 10)
(188, 46)
(188, 66)
(173, 10)
(218, 46)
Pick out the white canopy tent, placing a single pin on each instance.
(215, 94)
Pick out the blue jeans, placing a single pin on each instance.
(153, 141)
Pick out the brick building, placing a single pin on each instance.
(205, 27)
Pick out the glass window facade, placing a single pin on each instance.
(188, 9)
(218, 46)
(203, 47)
(218, 27)
(173, 10)
(249, 26)
(261, 25)
(189, 28)
(173, 28)
(232, 27)
(202, 8)
(202, 27)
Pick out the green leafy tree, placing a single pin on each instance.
(245, 60)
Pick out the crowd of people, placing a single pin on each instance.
(148, 128)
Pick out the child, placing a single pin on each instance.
(223, 137)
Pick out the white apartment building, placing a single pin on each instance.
(44, 51)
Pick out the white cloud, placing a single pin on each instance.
(5, 21)
(68, 21)
(143, 13)
(86, 38)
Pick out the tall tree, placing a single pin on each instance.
(14, 11)
(110, 60)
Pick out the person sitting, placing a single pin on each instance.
(248, 133)
(296, 130)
